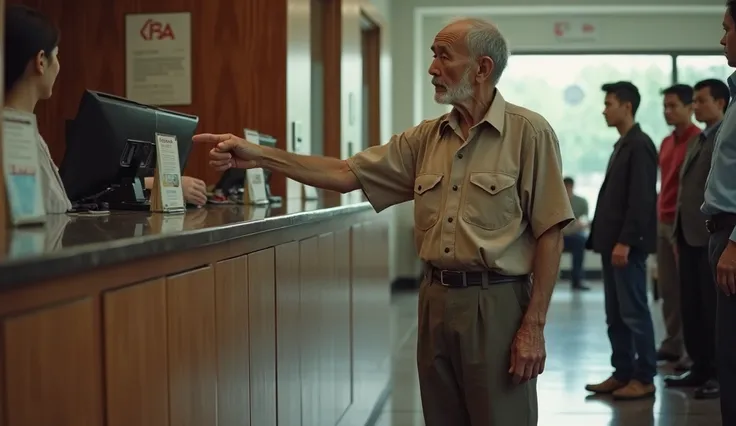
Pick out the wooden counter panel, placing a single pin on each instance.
(289, 331)
(233, 342)
(60, 290)
(342, 328)
(328, 320)
(309, 273)
(262, 324)
(192, 348)
(53, 366)
(136, 349)
(291, 334)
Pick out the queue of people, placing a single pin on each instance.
(690, 225)
(674, 226)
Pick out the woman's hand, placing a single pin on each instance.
(195, 191)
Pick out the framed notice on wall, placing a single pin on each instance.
(158, 58)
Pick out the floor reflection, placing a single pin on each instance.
(578, 353)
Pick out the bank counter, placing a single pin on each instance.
(228, 315)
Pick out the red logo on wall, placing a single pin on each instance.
(561, 28)
(156, 30)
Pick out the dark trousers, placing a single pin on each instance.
(575, 245)
(464, 340)
(630, 327)
(725, 334)
(698, 307)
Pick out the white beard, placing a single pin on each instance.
(461, 92)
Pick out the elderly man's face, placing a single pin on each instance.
(451, 67)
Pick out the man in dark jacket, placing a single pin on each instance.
(624, 232)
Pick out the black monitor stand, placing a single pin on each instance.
(273, 199)
(129, 191)
(128, 195)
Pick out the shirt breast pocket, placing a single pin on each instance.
(491, 201)
(427, 200)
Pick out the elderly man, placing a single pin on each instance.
(489, 208)
(720, 205)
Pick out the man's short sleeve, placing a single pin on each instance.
(544, 198)
(386, 172)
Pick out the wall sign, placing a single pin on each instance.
(575, 30)
(158, 58)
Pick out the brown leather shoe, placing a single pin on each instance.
(609, 385)
(635, 390)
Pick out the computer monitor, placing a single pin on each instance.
(180, 125)
(111, 146)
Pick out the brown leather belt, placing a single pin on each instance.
(470, 279)
(721, 222)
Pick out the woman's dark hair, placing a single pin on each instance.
(27, 32)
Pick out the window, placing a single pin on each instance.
(692, 69)
(566, 90)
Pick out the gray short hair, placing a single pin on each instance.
(484, 39)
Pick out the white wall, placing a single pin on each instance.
(662, 25)
(692, 29)
(298, 85)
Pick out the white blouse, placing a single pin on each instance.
(55, 198)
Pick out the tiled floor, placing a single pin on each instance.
(578, 353)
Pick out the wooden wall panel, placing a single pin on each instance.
(239, 65)
(332, 75)
(371, 48)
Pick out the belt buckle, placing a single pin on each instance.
(442, 278)
(710, 226)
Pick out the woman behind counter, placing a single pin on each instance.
(31, 68)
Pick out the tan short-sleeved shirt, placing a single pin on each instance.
(479, 203)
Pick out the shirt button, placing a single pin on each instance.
(447, 249)
(493, 187)
(454, 187)
(449, 219)
(460, 156)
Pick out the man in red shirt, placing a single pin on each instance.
(678, 112)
